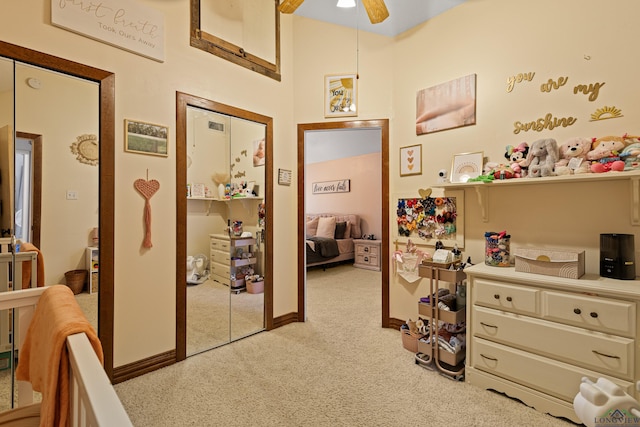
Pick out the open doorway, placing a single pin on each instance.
(303, 129)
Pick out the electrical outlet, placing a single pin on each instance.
(72, 195)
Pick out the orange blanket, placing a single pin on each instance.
(44, 358)
(26, 268)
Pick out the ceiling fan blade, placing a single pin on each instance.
(376, 9)
(289, 6)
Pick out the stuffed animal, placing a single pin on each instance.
(605, 154)
(542, 158)
(573, 156)
(518, 157)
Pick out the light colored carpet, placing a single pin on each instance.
(215, 315)
(340, 368)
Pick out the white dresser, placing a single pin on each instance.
(220, 256)
(533, 337)
(367, 254)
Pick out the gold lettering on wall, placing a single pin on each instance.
(606, 113)
(552, 84)
(547, 122)
(519, 78)
(593, 90)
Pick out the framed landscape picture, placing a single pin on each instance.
(145, 138)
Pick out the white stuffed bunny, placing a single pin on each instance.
(542, 158)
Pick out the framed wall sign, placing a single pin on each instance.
(466, 166)
(284, 177)
(411, 160)
(341, 95)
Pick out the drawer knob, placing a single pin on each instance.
(509, 299)
(577, 311)
(593, 314)
(366, 249)
(496, 296)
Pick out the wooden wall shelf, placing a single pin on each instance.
(482, 188)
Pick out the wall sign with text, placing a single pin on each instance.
(126, 24)
(339, 186)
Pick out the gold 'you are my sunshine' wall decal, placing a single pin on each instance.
(549, 121)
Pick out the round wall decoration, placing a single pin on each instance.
(86, 149)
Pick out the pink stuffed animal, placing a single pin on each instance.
(573, 156)
(605, 154)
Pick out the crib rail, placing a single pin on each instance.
(93, 400)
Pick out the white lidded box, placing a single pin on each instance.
(550, 262)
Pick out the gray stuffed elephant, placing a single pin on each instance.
(542, 157)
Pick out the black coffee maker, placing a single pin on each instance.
(617, 256)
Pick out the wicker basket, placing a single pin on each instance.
(410, 340)
(75, 280)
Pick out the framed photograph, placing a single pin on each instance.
(340, 95)
(411, 160)
(198, 190)
(466, 166)
(258, 152)
(447, 105)
(146, 138)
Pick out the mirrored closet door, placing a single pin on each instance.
(225, 155)
(49, 173)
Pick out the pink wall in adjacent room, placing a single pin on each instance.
(364, 198)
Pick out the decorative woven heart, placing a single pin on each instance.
(424, 192)
(146, 188)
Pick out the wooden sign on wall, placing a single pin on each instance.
(126, 24)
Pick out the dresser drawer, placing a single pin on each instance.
(223, 270)
(367, 259)
(220, 257)
(367, 250)
(220, 245)
(601, 314)
(602, 352)
(514, 298)
(225, 280)
(548, 376)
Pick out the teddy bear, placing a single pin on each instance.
(605, 154)
(542, 158)
(573, 156)
(518, 157)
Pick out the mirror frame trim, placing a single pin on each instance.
(184, 100)
(106, 184)
(229, 51)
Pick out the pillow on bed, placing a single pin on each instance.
(341, 227)
(347, 231)
(326, 227)
(312, 227)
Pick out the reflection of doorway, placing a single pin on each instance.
(29, 148)
(383, 125)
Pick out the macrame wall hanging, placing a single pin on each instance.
(147, 189)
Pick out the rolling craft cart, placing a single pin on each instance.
(430, 355)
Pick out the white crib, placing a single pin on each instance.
(93, 400)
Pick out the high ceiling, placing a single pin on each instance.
(403, 14)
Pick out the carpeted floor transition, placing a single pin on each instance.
(339, 368)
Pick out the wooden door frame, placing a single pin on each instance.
(383, 125)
